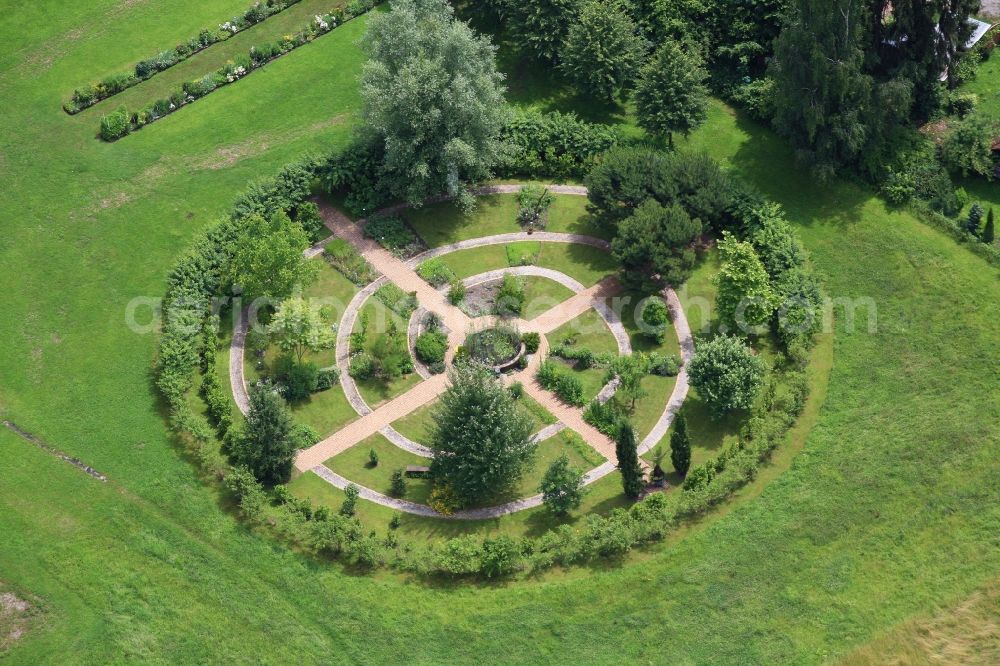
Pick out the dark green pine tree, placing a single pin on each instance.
(680, 446)
(628, 460)
(975, 219)
(989, 232)
(266, 446)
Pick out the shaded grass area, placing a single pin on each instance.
(443, 223)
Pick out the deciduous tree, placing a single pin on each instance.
(433, 95)
(540, 26)
(562, 487)
(745, 298)
(267, 257)
(603, 50)
(726, 374)
(299, 327)
(671, 95)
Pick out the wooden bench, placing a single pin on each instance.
(417, 471)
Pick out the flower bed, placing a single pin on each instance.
(121, 123)
(493, 346)
(146, 69)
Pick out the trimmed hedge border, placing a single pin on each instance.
(124, 123)
(197, 279)
(149, 67)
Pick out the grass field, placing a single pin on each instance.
(887, 517)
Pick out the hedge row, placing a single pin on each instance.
(120, 122)
(146, 69)
(554, 145)
(198, 277)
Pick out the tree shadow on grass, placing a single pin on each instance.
(769, 163)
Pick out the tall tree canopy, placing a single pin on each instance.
(671, 95)
(850, 73)
(433, 94)
(300, 327)
(745, 298)
(266, 445)
(480, 439)
(603, 50)
(267, 257)
(541, 26)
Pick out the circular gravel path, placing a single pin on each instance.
(681, 328)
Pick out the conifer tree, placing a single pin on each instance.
(628, 460)
(680, 446)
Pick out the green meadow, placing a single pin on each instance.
(886, 514)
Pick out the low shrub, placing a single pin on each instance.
(392, 233)
(510, 298)
(531, 342)
(362, 366)
(565, 385)
(348, 507)
(327, 378)
(302, 380)
(397, 485)
(664, 365)
(402, 303)
(604, 417)
(115, 125)
(456, 292)
(431, 346)
(341, 255)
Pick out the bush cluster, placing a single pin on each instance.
(341, 255)
(392, 233)
(397, 300)
(431, 346)
(561, 382)
(149, 67)
(436, 272)
(554, 145)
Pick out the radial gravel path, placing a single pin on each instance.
(457, 323)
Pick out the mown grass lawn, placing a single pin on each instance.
(586, 264)
(889, 511)
(602, 496)
(355, 464)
